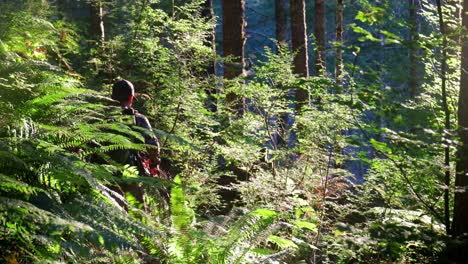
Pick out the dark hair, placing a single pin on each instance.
(122, 90)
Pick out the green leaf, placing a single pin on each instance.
(263, 251)
(307, 225)
(182, 215)
(101, 240)
(282, 242)
(381, 146)
(367, 35)
(264, 213)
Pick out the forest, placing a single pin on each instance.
(288, 131)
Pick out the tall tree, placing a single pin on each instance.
(233, 45)
(319, 32)
(412, 43)
(339, 43)
(460, 211)
(299, 46)
(208, 14)
(447, 126)
(281, 26)
(96, 30)
(282, 40)
(61, 8)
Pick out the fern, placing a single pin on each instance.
(40, 164)
(233, 240)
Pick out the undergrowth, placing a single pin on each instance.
(62, 196)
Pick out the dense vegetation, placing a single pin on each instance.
(264, 163)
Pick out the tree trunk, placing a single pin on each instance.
(460, 211)
(281, 27)
(339, 45)
(208, 14)
(299, 46)
(412, 44)
(233, 45)
(282, 40)
(96, 29)
(443, 73)
(319, 31)
(61, 8)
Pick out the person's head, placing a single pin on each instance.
(123, 92)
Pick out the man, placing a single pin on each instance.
(147, 163)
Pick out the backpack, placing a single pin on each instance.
(147, 165)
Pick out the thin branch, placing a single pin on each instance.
(403, 173)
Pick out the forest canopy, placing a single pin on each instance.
(300, 131)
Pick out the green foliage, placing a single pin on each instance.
(387, 235)
(64, 197)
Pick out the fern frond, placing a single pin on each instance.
(11, 187)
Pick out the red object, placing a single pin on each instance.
(152, 171)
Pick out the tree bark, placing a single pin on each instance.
(281, 26)
(319, 32)
(339, 45)
(447, 126)
(460, 211)
(233, 45)
(96, 29)
(412, 44)
(299, 46)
